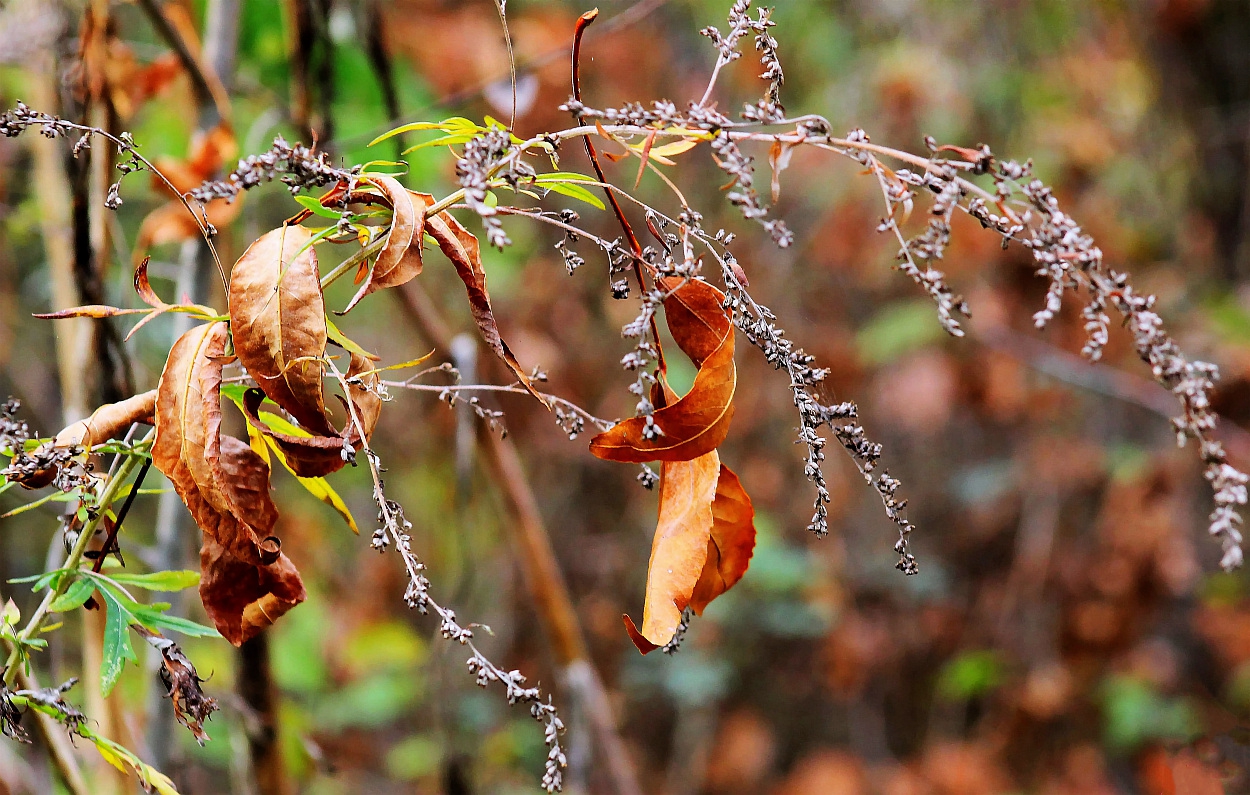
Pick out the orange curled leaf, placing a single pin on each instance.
(277, 315)
(731, 544)
(400, 259)
(703, 543)
(144, 288)
(462, 249)
(679, 549)
(246, 581)
(697, 423)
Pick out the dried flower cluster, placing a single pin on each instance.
(297, 166)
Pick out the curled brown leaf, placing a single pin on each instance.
(679, 548)
(704, 539)
(731, 544)
(462, 248)
(400, 259)
(277, 316)
(246, 581)
(698, 422)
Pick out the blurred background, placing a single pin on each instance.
(1069, 630)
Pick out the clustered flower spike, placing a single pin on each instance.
(297, 166)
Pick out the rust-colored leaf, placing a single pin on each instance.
(462, 249)
(110, 421)
(697, 423)
(246, 582)
(679, 549)
(311, 456)
(362, 390)
(400, 258)
(731, 544)
(277, 316)
(89, 310)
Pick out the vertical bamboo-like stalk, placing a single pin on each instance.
(52, 191)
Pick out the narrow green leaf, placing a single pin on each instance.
(315, 207)
(341, 339)
(576, 192)
(117, 649)
(446, 140)
(155, 620)
(74, 596)
(30, 506)
(159, 580)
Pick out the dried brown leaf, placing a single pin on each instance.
(400, 259)
(697, 423)
(277, 316)
(182, 684)
(246, 581)
(679, 549)
(462, 249)
(731, 544)
(110, 421)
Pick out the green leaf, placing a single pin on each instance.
(576, 192)
(30, 506)
(159, 580)
(372, 167)
(446, 140)
(117, 648)
(234, 392)
(154, 617)
(315, 207)
(458, 123)
(74, 597)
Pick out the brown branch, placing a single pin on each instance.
(260, 694)
(539, 566)
(583, 22)
(210, 96)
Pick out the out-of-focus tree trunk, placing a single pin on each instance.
(1203, 54)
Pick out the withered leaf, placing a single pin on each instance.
(182, 684)
(731, 544)
(703, 544)
(317, 456)
(246, 581)
(461, 247)
(400, 258)
(110, 421)
(679, 549)
(698, 422)
(308, 456)
(277, 316)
